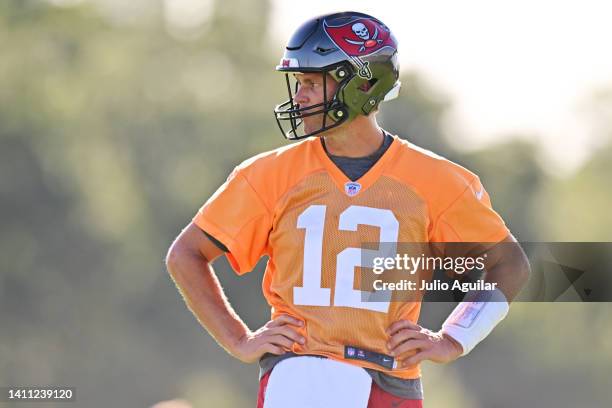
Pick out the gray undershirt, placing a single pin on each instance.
(355, 167)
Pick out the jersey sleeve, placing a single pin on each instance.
(237, 217)
(470, 218)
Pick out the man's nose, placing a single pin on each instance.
(300, 97)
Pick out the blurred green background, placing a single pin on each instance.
(113, 132)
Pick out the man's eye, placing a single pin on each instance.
(308, 84)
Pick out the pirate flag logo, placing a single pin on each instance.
(360, 38)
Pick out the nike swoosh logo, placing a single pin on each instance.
(479, 194)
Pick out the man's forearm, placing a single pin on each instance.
(203, 294)
(510, 274)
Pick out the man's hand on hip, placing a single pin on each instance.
(276, 337)
(411, 344)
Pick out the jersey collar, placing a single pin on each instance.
(365, 181)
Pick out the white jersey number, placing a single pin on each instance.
(311, 293)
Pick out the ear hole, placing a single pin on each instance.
(366, 86)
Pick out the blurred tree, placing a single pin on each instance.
(580, 201)
(578, 206)
(514, 178)
(417, 115)
(112, 135)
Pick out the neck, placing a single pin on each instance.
(359, 138)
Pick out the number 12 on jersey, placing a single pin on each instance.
(312, 219)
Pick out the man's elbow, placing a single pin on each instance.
(181, 257)
(515, 258)
(175, 257)
(523, 269)
(172, 258)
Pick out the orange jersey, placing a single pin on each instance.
(294, 205)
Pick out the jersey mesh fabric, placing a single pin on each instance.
(329, 329)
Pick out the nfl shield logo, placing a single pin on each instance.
(350, 351)
(351, 188)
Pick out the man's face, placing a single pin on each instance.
(309, 93)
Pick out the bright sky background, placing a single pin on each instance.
(521, 66)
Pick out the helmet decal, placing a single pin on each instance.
(360, 38)
(289, 63)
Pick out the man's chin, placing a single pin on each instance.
(309, 128)
(314, 125)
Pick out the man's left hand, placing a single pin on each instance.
(409, 339)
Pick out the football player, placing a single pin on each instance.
(310, 205)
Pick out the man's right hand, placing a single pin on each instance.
(276, 337)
